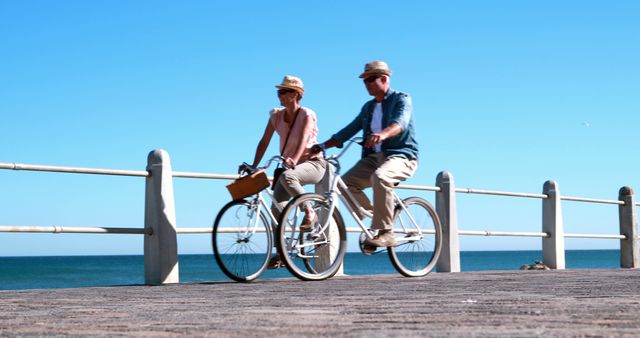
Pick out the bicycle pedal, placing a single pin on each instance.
(368, 250)
(313, 236)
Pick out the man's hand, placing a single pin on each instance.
(316, 148)
(373, 140)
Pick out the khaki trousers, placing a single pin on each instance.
(291, 181)
(382, 174)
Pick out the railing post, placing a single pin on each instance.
(161, 245)
(629, 251)
(449, 260)
(552, 246)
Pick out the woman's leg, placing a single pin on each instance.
(291, 181)
(309, 172)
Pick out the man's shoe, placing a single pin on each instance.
(383, 239)
(308, 222)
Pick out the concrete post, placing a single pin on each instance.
(161, 247)
(327, 254)
(449, 260)
(552, 246)
(629, 251)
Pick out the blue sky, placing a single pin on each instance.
(507, 95)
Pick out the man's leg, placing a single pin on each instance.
(359, 178)
(392, 171)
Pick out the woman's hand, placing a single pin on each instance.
(244, 168)
(289, 163)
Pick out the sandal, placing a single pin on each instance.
(307, 223)
(275, 263)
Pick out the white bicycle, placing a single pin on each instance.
(241, 238)
(318, 254)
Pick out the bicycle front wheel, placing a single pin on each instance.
(317, 254)
(419, 235)
(242, 240)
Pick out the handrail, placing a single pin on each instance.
(591, 200)
(73, 170)
(204, 175)
(207, 230)
(56, 229)
(595, 236)
(200, 175)
(503, 233)
(418, 187)
(142, 173)
(499, 193)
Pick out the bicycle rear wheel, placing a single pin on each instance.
(242, 240)
(314, 255)
(417, 251)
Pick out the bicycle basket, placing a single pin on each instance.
(248, 185)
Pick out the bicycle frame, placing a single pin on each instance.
(337, 192)
(260, 202)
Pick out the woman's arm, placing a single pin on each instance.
(263, 144)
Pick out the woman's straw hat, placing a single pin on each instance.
(292, 82)
(375, 68)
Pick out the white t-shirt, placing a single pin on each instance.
(376, 122)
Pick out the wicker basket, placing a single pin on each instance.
(248, 185)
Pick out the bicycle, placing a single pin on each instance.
(242, 237)
(319, 254)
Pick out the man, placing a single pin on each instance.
(390, 152)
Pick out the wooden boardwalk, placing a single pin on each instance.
(478, 304)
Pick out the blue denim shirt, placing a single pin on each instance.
(396, 108)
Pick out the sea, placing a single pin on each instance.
(48, 272)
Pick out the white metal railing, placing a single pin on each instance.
(198, 175)
(499, 193)
(72, 170)
(158, 167)
(592, 200)
(57, 229)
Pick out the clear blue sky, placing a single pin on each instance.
(507, 95)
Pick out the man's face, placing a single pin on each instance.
(376, 84)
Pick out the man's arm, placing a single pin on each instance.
(386, 133)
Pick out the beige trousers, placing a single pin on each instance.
(291, 181)
(382, 174)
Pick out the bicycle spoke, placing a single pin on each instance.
(418, 233)
(317, 254)
(241, 241)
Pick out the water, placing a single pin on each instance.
(18, 273)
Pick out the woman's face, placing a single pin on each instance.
(287, 96)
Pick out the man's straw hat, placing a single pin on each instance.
(375, 68)
(291, 82)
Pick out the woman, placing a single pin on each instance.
(298, 130)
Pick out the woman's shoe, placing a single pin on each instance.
(275, 263)
(308, 222)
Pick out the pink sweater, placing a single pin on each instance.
(298, 134)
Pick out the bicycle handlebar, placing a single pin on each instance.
(334, 159)
(277, 158)
(358, 140)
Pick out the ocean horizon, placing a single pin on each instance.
(44, 272)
